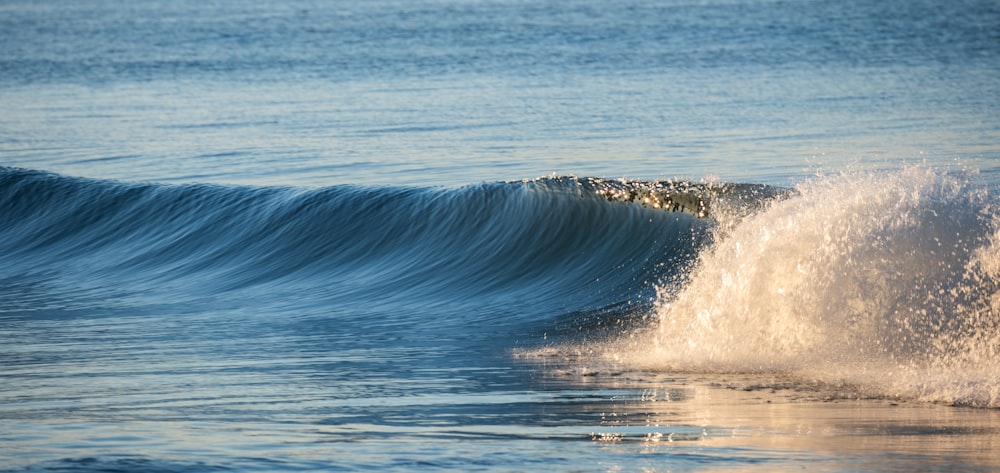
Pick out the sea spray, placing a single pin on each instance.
(887, 281)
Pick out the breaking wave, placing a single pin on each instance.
(885, 281)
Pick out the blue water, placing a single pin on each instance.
(499, 235)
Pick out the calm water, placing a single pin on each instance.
(348, 236)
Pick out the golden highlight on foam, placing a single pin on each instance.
(885, 280)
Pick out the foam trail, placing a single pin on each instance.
(886, 281)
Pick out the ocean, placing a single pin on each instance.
(499, 235)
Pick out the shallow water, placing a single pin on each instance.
(317, 236)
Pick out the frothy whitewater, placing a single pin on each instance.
(886, 282)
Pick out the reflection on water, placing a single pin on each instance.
(281, 401)
(775, 423)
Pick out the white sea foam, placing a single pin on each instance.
(886, 281)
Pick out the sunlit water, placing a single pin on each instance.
(309, 236)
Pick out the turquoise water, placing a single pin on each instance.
(408, 236)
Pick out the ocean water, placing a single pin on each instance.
(499, 236)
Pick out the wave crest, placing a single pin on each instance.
(534, 248)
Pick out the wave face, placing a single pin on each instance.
(480, 253)
(886, 281)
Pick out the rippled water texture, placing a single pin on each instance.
(457, 93)
(499, 235)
